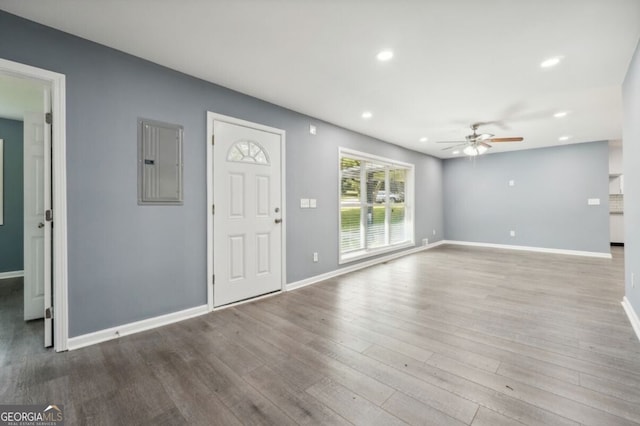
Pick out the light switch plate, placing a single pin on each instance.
(593, 201)
(312, 129)
(313, 203)
(304, 203)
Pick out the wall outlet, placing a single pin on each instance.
(512, 182)
(304, 203)
(425, 241)
(434, 232)
(312, 129)
(313, 203)
(315, 257)
(512, 233)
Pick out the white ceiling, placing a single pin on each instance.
(456, 61)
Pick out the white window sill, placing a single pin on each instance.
(364, 254)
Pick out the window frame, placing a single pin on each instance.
(409, 205)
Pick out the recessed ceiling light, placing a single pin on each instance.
(367, 115)
(456, 152)
(560, 114)
(564, 138)
(384, 55)
(424, 139)
(551, 62)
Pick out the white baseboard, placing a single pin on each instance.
(633, 317)
(147, 324)
(11, 274)
(527, 248)
(357, 266)
(134, 327)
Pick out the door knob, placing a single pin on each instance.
(41, 225)
(278, 220)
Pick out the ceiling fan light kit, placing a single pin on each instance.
(473, 150)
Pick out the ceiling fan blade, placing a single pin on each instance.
(484, 136)
(498, 123)
(451, 141)
(506, 139)
(530, 116)
(486, 145)
(455, 146)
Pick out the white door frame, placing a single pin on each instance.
(211, 117)
(59, 190)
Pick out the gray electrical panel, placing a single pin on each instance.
(159, 163)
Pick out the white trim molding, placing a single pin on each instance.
(151, 323)
(527, 248)
(11, 274)
(209, 186)
(134, 327)
(57, 83)
(633, 316)
(351, 268)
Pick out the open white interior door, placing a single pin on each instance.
(33, 215)
(48, 224)
(37, 229)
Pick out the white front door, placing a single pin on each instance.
(247, 225)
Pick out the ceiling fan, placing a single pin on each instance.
(477, 144)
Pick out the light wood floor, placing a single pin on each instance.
(450, 336)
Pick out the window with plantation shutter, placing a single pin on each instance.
(376, 205)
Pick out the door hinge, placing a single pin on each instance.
(213, 209)
(213, 281)
(48, 215)
(48, 313)
(213, 139)
(48, 118)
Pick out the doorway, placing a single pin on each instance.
(45, 254)
(246, 227)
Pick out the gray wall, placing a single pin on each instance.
(127, 262)
(547, 206)
(11, 240)
(631, 146)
